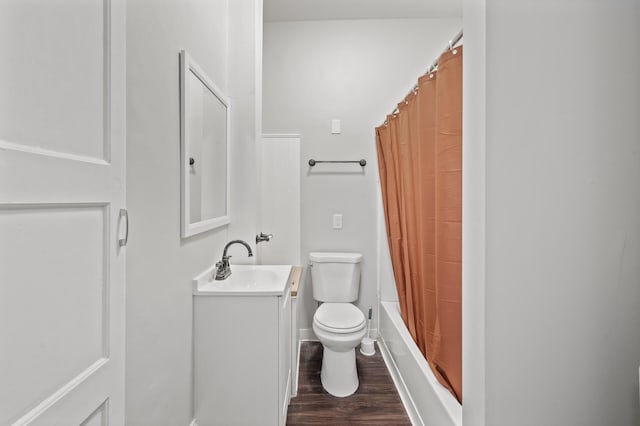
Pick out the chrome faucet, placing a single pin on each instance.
(223, 269)
(263, 237)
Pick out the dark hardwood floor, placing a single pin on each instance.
(376, 402)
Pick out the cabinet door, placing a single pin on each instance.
(284, 356)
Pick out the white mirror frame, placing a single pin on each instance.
(188, 228)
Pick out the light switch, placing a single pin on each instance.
(335, 127)
(337, 221)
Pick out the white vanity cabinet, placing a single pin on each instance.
(284, 357)
(242, 358)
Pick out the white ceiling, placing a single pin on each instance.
(310, 10)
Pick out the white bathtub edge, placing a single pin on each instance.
(405, 396)
(438, 402)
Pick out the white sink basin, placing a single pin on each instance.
(245, 280)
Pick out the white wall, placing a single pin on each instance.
(279, 212)
(220, 36)
(473, 213)
(559, 219)
(355, 71)
(245, 86)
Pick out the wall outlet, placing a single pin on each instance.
(337, 221)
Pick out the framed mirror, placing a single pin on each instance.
(204, 150)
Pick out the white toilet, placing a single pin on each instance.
(337, 323)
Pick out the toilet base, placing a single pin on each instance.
(339, 375)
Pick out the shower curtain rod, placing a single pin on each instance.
(452, 43)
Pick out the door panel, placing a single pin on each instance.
(98, 417)
(62, 181)
(65, 245)
(52, 78)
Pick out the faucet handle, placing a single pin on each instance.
(222, 268)
(219, 269)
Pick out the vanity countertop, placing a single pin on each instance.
(296, 273)
(245, 280)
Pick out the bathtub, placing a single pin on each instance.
(427, 402)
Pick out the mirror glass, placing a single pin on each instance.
(205, 113)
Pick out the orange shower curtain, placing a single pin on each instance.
(420, 162)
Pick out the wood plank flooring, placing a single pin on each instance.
(376, 402)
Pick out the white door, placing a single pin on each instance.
(62, 149)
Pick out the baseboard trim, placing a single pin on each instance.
(307, 335)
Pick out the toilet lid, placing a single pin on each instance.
(339, 317)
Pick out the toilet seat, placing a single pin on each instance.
(339, 318)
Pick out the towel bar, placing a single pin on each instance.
(313, 162)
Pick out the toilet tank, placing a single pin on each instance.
(335, 277)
